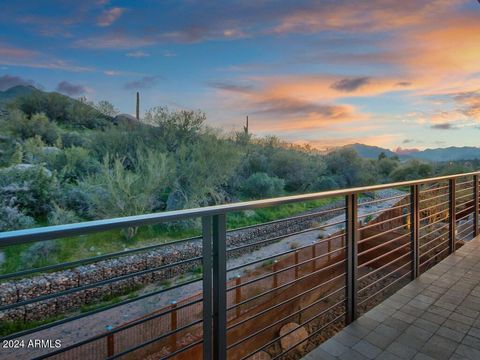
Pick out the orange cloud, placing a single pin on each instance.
(364, 16)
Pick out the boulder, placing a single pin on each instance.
(293, 337)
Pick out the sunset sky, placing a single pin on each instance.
(382, 72)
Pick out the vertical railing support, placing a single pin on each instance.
(452, 215)
(173, 325)
(274, 270)
(110, 342)
(352, 257)
(238, 295)
(414, 226)
(314, 255)
(219, 287)
(296, 265)
(207, 287)
(475, 205)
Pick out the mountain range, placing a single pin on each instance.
(451, 153)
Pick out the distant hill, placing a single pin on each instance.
(62, 109)
(371, 152)
(449, 154)
(13, 92)
(435, 155)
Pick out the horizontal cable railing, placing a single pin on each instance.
(236, 293)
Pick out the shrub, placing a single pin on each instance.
(75, 163)
(261, 185)
(412, 170)
(30, 187)
(325, 183)
(40, 254)
(60, 216)
(117, 191)
(13, 219)
(77, 199)
(72, 138)
(37, 125)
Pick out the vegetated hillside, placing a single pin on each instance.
(14, 92)
(433, 155)
(64, 160)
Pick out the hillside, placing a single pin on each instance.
(14, 92)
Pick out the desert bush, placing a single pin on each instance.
(75, 163)
(13, 219)
(261, 185)
(40, 254)
(77, 199)
(30, 187)
(203, 168)
(60, 216)
(117, 191)
(72, 138)
(37, 124)
(412, 170)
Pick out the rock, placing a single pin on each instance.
(293, 337)
(261, 355)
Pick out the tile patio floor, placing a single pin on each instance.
(437, 316)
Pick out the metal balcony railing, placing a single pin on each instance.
(357, 258)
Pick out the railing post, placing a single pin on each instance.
(219, 287)
(452, 215)
(207, 287)
(414, 225)
(173, 325)
(314, 255)
(238, 295)
(274, 269)
(475, 205)
(296, 265)
(110, 343)
(352, 257)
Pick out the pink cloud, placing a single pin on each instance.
(108, 17)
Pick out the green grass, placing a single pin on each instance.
(111, 299)
(259, 216)
(86, 246)
(11, 327)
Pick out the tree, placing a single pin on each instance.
(117, 191)
(106, 108)
(412, 170)
(203, 167)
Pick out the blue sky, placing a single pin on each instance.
(382, 72)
